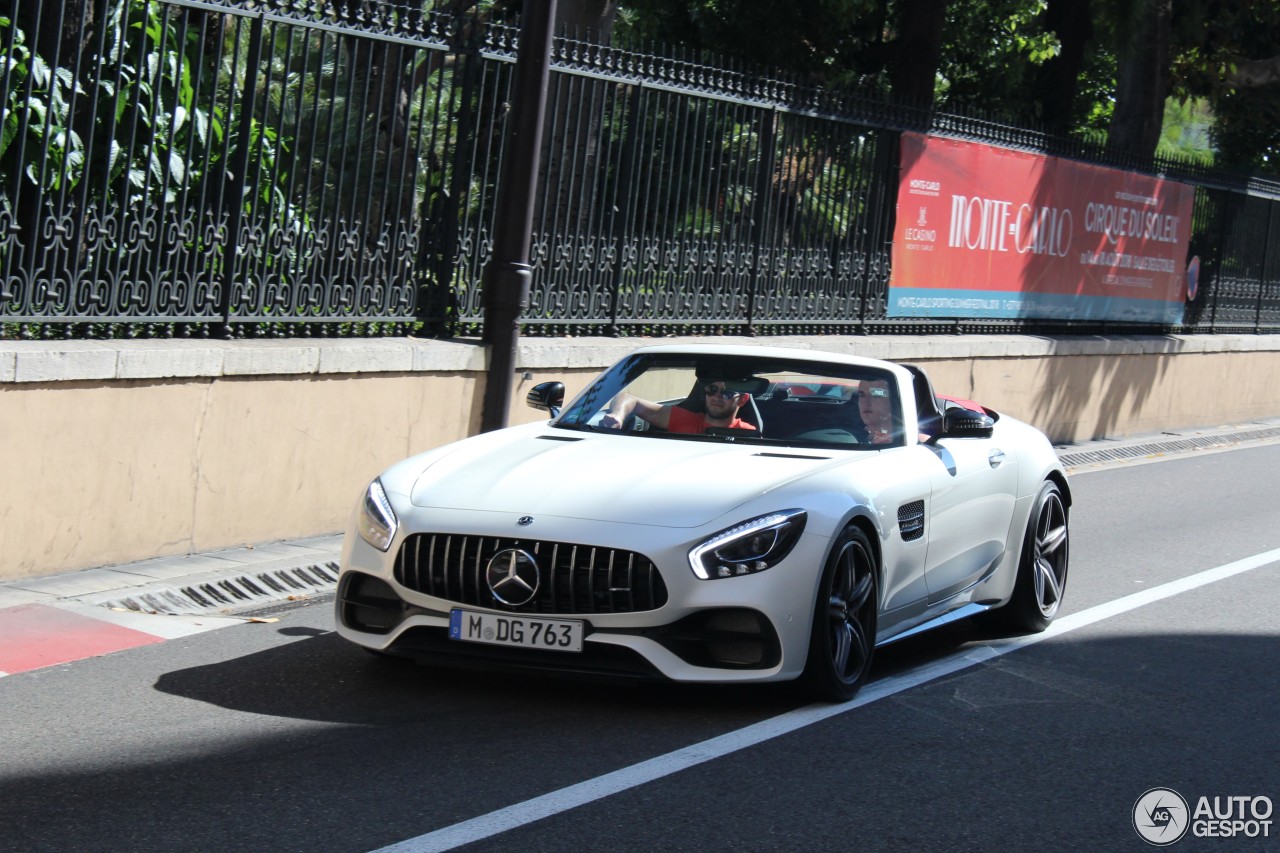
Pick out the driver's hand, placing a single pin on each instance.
(610, 421)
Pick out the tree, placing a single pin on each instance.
(917, 50)
(994, 58)
(1143, 46)
(1067, 66)
(1228, 58)
(1057, 85)
(61, 32)
(820, 42)
(583, 17)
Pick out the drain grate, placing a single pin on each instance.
(1138, 451)
(232, 594)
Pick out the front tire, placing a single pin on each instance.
(843, 637)
(1042, 571)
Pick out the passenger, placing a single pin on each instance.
(722, 404)
(876, 409)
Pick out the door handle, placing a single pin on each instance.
(996, 458)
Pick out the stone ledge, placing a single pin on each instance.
(76, 361)
(550, 353)
(73, 361)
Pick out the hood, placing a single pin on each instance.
(611, 478)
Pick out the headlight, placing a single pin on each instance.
(752, 546)
(377, 519)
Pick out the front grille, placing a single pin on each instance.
(573, 578)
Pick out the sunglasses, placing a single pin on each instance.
(719, 391)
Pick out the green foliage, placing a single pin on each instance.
(1247, 131)
(324, 93)
(990, 56)
(1186, 133)
(155, 101)
(995, 53)
(132, 121)
(1216, 37)
(39, 103)
(825, 42)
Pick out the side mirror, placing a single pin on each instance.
(963, 423)
(547, 396)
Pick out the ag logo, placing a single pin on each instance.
(1161, 816)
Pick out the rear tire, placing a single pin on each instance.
(1042, 571)
(843, 637)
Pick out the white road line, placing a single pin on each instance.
(589, 791)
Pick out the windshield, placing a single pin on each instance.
(742, 398)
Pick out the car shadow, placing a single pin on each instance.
(328, 679)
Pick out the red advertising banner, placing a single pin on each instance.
(991, 232)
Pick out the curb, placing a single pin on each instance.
(218, 583)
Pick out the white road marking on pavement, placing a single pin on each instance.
(589, 791)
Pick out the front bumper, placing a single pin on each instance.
(744, 629)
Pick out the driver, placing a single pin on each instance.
(722, 404)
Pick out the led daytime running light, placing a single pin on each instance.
(378, 522)
(753, 526)
(786, 526)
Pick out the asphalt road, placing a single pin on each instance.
(281, 737)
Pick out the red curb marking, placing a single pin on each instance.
(35, 635)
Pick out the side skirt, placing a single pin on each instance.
(947, 618)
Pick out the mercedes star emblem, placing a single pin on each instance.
(513, 577)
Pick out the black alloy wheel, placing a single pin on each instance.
(1042, 571)
(843, 638)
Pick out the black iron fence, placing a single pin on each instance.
(297, 167)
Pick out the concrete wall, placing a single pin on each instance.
(118, 451)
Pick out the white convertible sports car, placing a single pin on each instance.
(712, 514)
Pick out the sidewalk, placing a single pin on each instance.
(57, 619)
(1084, 456)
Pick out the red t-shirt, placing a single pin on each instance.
(683, 420)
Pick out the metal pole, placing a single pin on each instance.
(508, 277)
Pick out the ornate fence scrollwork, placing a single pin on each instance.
(274, 167)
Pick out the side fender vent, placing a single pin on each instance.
(911, 520)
